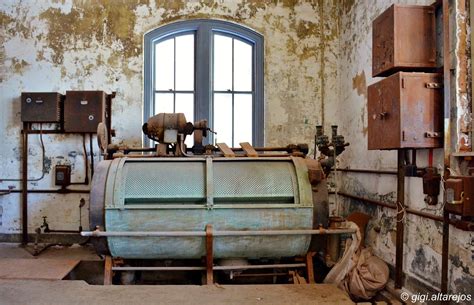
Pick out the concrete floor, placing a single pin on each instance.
(78, 292)
(62, 292)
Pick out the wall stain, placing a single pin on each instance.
(104, 21)
(359, 84)
(19, 65)
(426, 268)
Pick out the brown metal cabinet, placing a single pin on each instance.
(405, 111)
(403, 39)
(84, 110)
(41, 107)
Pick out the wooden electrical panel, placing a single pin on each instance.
(41, 107)
(404, 39)
(405, 111)
(84, 110)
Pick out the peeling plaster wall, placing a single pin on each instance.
(317, 68)
(97, 45)
(423, 237)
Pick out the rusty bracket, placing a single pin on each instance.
(433, 134)
(249, 150)
(434, 85)
(225, 150)
(209, 255)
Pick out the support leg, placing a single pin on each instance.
(108, 270)
(309, 268)
(209, 256)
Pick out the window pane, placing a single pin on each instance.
(223, 118)
(185, 62)
(242, 118)
(242, 66)
(185, 104)
(164, 103)
(222, 62)
(164, 65)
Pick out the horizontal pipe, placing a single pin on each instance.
(283, 232)
(393, 206)
(56, 191)
(62, 231)
(195, 268)
(376, 202)
(367, 171)
(258, 274)
(460, 224)
(245, 267)
(51, 131)
(158, 268)
(215, 233)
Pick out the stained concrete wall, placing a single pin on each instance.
(317, 67)
(423, 237)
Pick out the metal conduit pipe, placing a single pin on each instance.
(367, 171)
(215, 233)
(392, 206)
(196, 268)
(57, 191)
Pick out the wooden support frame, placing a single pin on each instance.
(209, 255)
(310, 268)
(108, 273)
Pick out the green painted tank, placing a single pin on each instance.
(186, 194)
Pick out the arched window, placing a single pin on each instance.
(207, 69)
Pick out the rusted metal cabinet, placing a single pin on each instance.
(404, 39)
(41, 107)
(405, 111)
(460, 195)
(84, 110)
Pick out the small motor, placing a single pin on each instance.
(165, 127)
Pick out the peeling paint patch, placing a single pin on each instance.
(359, 84)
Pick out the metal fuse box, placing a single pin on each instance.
(460, 195)
(62, 175)
(404, 39)
(405, 111)
(84, 110)
(41, 107)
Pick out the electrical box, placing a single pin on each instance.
(405, 111)
(41, 107)
(404, 39)
(84, 110)
(62, 175)
(460, 195)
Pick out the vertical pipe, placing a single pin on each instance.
(447, 140)
(400, 219)
(24, 186)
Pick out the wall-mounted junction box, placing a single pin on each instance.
(62, 175)
(460, 195)
(41, 107)
(404, 39)
(405, 111)
(84, 110)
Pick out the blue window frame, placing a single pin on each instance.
(208, 69)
